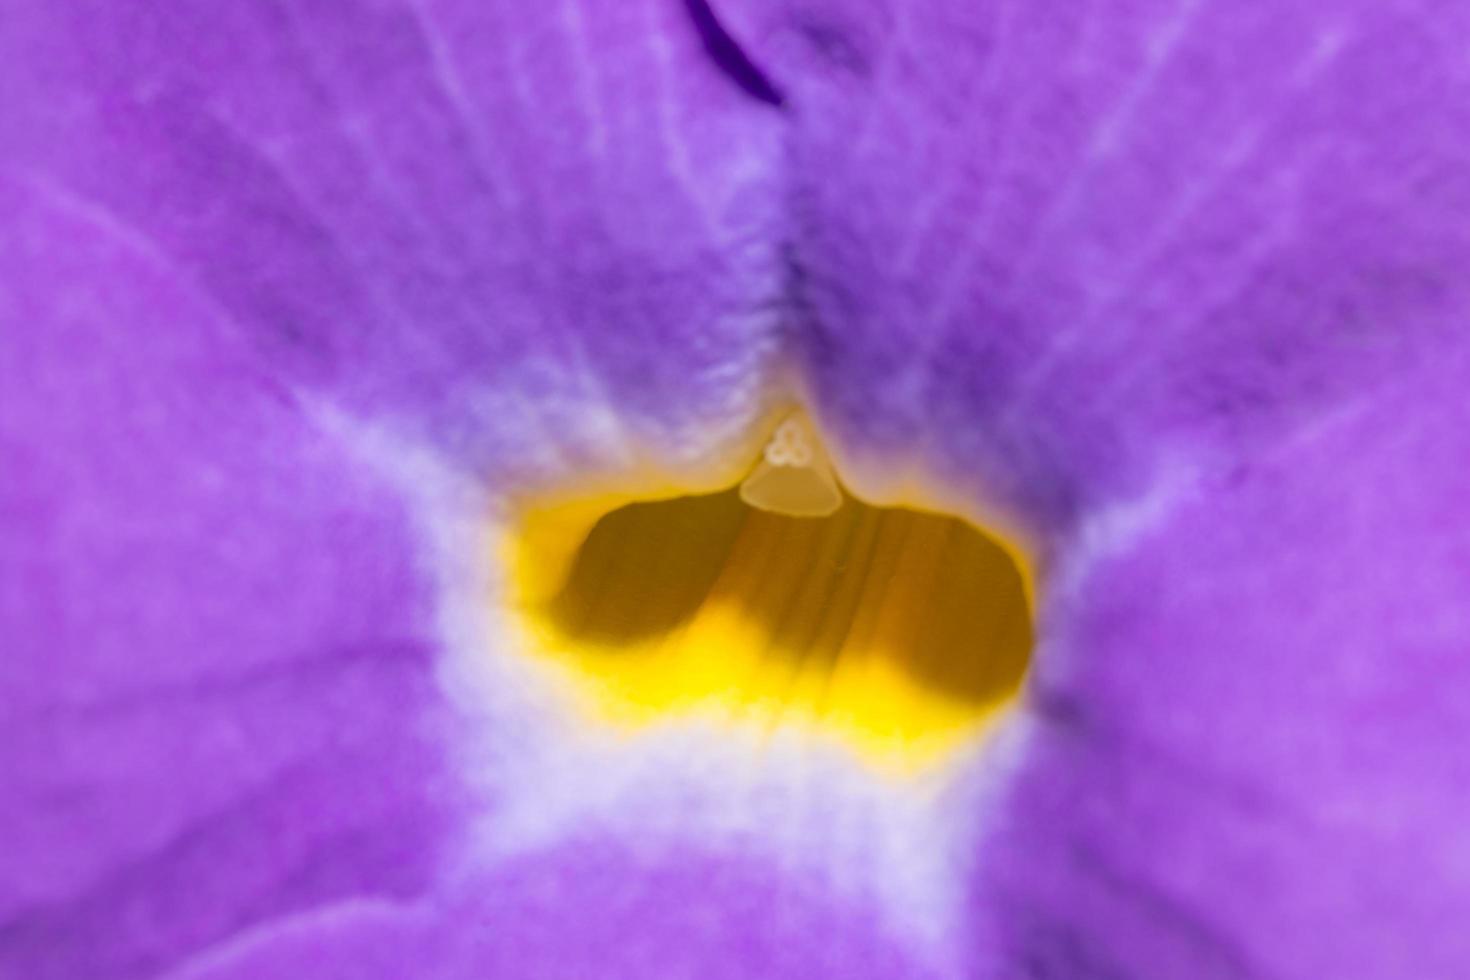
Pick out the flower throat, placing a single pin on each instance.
(782, 602)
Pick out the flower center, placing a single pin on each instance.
(901, 633)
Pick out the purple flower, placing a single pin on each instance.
(300, 302)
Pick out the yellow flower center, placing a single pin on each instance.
(900, 633)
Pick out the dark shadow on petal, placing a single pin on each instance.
(926, 594)
(725, 52)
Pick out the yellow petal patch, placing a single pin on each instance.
(900, 633)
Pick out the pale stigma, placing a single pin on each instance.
(794, 476)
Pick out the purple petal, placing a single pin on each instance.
(228, 231)
(585, 911)
(1183, 285)
(1046, 248)
(1246, 752)
(217, 676)
(484, 224)
(1153, 278)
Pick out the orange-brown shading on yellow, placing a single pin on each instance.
(899, 632)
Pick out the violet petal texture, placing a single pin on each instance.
(296, 297)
